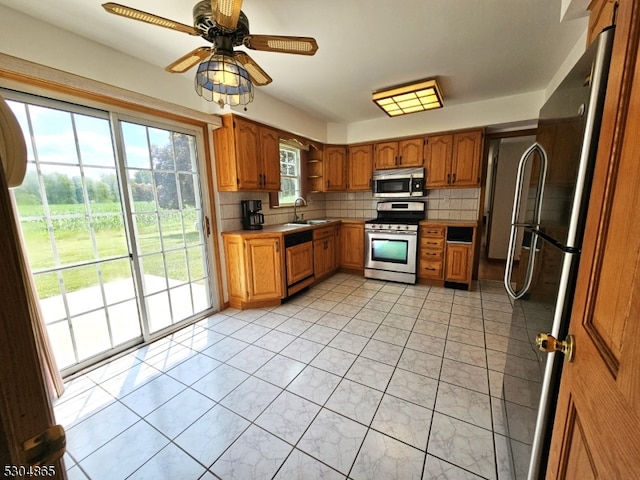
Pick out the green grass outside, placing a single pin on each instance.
(74, 244)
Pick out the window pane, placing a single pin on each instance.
(289, 174)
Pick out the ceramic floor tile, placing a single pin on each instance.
(250, 359)
(151, 395)
(333, 439)
(170, 462)
(422, 363)
(384, 457)
(464, 404)
(350, 342)
(355, 401)
(250, 315)
(280, 370)
(256, 454)
(412, 301)
(225, 349)
(180, 412)
(271, 320)
(426, 343)
(361, 327)
(413, 387)
(462, 444)
(302, 350)
(386, 297)
(174, 355)
(399, 320)
(82, 406)
(251, 397)
(394, 288)
(408, 311)
(371, 373)
(324, 305)
(465, 353)
(464, 335)
(288, 416)
(431, 328)
(436, 469)
(404, 421)
(193, 369)
(132, 448)
(346, 309)
(126, 382)
(206, 439)
(202, 340)
(371, 315)
(470, 323)
(356, 300)
(334, 361)
(334, 320)
(379, 305)
(393, 335)
(218, 383)
(96, 430)
(334, 296)
(314, 384)
(382, 352)
(320, 334)
(300, 466)
(229, 325)
(108, 371)
(435, 306)
(287, 309)
(465, 375)
(310, 314)
(250, 333)
(275, 341)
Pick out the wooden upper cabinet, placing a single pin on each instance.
(438, 152)
(453, 160)
(247, 156)
(399, 154)
(335, 168)
(410, 153)
(360, 168)
(467, 157)
(270, 157)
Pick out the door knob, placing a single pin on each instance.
(547, 343)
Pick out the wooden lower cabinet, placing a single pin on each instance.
(458, 263)
(255, 274)
(324, 251)
(431, 252)
(352, 246)
(299, 262)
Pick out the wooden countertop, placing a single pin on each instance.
(451, 223)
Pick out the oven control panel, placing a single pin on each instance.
(391, 226)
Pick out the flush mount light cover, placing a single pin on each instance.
(409, 98)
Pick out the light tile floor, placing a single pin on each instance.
(355, 378)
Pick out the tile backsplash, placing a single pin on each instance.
(442, 204)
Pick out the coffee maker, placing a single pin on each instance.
(252, 219)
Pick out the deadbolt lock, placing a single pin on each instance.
(548, 343)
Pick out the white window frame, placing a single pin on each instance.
(284, 197)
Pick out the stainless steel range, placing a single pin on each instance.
(391, 241)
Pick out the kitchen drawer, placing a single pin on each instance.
(432, 231)
(324, 232)
(431, 254)
(430, 269)
(433, 243)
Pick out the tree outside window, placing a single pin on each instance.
(289, 175)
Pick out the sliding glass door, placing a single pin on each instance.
(111, 215)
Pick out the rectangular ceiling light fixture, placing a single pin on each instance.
(409, 98)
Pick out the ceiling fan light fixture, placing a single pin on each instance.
(222, 79)
(409, 98)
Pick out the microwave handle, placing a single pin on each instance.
(410, 185)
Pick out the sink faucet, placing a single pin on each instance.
(295, 206)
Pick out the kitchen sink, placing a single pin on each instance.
(305, 222)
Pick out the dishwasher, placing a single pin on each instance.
(298, 249)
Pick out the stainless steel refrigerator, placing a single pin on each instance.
(550, 207)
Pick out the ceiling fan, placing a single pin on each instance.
(227, 76)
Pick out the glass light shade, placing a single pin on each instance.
(222, 79)
(409, 98)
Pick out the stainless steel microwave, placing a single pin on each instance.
(399, 183)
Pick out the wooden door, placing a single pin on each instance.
(335, 169)
(597, 422)
(457, 263)
(386, 155)
(437, 160)
(270, 157)
(264, 266)
(465, 166)
(411, 153)
(248, 161)
(360, 168)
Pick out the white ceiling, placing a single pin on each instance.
(478, 49)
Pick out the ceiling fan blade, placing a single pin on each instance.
(258, 76)
(187, 61)
(283, 44)
(226, 13)
(141, 16)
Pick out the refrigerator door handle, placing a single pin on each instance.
(515, 216)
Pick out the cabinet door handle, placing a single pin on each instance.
(454, 178)
(400, 160)
(327, 183)
(277, 246)
(448, 178)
